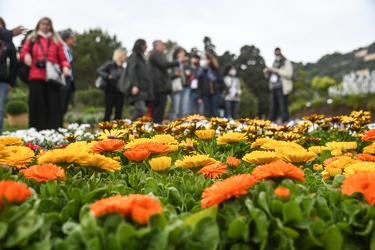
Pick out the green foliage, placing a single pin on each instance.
(95, 47)
(17, 93)
(248, 100)
(89, 98)
(322, 83)
(16, 107)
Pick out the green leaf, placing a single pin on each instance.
(158, 222)
(206, 234)
(51, 187)
(240, 246)
(261, 222)
(193, 219)
(317, 227)
(332, 239)
(291, 212)
(71, 210)
(174, 197)
(368, 229)
(238, 229)
(3, 229)
(124, 232)
(262, 202)
(277, 207)
(69, 226)
(294, 234)
(338, 180)
(95, 195)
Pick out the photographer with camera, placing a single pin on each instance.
(44, 97)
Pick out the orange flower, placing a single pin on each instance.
(114, 204)
(278, 169)
(282, 192)
(108, 145)
(43, 172)
(335, 158)
(369, 135)
(143, 207)
(365, 157)
(13, 192)
(137, 154)
(360, 182)
(224, 190)
(214, 170)
(155, 147)
(137, 206)
(233, 161)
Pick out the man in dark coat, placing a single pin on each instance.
(160, 79)
(141, 91)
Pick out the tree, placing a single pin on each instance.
(209, 46)
(250, 66)
(94, 47)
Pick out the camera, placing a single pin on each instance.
(41, 64)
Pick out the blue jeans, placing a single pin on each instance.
(175, 105)
(211, 105)
(279, 101)
(231, 109)
(4, 89)
(195, 107)
(184, 103)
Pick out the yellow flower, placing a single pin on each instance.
(17, 156)
(313, 118)
(160, 163)
(261, 157)
(331, 172)
(359, 167)
(271, 145)
(205, 134)
(317, 167)
(317, 149)
(11, 141)
(231, 137)
(80, 146)
(295, 155)
(370, 149)
(289, 136)
(166, 139)
(344, 145)
(61, 155)
(99, 161)
(189, 144)
(195, 118)
(3, 151)
(342, 162)
(195, 161)
(259, 142)
(137, 142)
(112, 134)
(173, 148)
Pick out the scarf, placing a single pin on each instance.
(45, 35)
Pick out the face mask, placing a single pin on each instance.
(203, 63)
(232, 72)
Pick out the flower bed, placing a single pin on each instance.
(194, 184)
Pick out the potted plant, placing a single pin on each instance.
(17, 113)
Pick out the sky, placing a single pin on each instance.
(305, 30)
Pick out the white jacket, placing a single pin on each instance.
(286, 74)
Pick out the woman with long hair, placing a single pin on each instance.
(42, 45)
(111, 72)
(210, 85)
(233, 93)
(141, 89)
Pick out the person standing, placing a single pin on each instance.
(160, 79)
(195, 107)
(233, 93)
(66, 92)
(180, 87)
(280, 85)
(44, 97)
(7, 35)
(8, 73)
(210, 85)
(111, 72)
(141, 91)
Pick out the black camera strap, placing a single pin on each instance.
(41, 47)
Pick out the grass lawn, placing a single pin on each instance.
(7, 127)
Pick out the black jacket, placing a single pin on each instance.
(209, 87)
(110, 68)
(7, 50)
(139, 77)
(6, 35)
(158, 72)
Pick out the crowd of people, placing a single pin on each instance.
(194, 85)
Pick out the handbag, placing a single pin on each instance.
(101, 83)
(177, 84)
(23, 69)
(54, 74)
